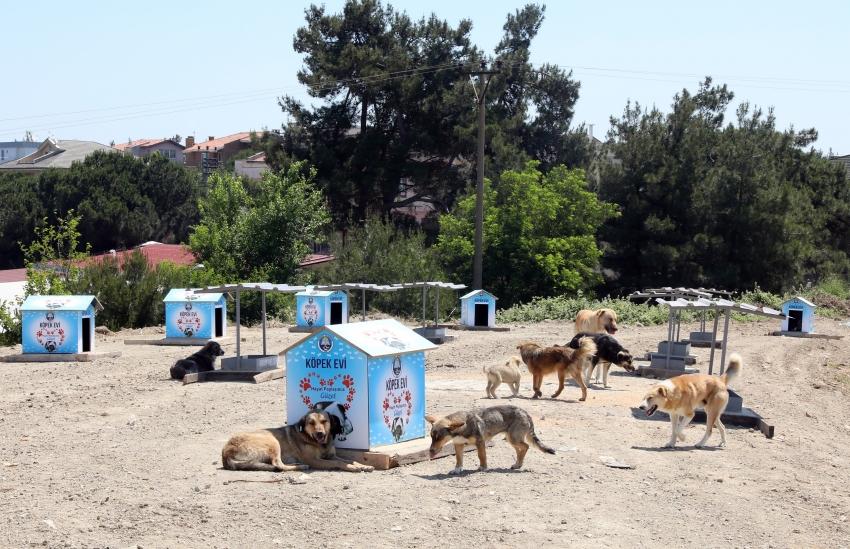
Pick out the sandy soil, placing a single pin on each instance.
(115, 454)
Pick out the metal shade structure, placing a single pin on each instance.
(678, 305)
(263, 288)
(425, 286)
(668, 292)
(348, 286)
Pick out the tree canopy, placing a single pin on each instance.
(396, 112)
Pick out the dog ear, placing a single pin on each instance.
(431, 419)
(455, 425)
(302, 423)
(600, 312)
(662, 391)
(336, 426)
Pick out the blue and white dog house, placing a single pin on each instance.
(316, 308)
(800, 315)
(199, 316)
(58, 324)
(478, 308)
(371, 375)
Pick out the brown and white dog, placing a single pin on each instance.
(542, 361)
(603, 321)
(680, 395)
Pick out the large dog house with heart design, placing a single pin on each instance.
(317, 308)
(58, 324)
(197, 316)
(371, 375)
(478, 309)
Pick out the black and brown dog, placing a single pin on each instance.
(306, 445)
(608, 352)
(202, 361)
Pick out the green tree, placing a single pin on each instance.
(539, 235)
(397, 112)
(21, 211)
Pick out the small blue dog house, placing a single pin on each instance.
(371, 375)
(478, 308)
(199, 316)
(316, 308)
(58, 324)
(801, 315)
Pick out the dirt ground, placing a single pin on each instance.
(115, 454)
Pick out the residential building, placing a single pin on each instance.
(13, 150)
(214, 151)
(252, 166)
(142, 147)
(52, 153)
(844, 160)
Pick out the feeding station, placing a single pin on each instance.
(315, 308)
(435, 333)
(800, 320)
(700, 338)
(371, 375)
(256, 368)
(58, 328)
(192, 319)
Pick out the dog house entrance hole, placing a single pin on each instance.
(219, 321)
(795, 321)
(336, 312)
(87, 334)
(482, 314)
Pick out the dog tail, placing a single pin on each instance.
(733, 370)
(586, 347)
(532, 436)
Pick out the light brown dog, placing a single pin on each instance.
(680, 395)
(603, 321)
(309, 443)
(503, 373)
(542, 361)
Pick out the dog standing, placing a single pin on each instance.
(603, 321)
(202, 361)
(309, 443)
(608, 351)
(503, 373)
(680, 395)
(478, 426)
(542, 361)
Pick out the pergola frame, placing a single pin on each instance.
(425, 286)
(348, 286)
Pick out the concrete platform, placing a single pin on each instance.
(403, 453)
(663, 373)
(479, 328)
(181, 341)
(230, 375)
(807, 335)
(743, 418)
(75, 357)
(305, 329)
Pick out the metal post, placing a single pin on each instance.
(423, 309)
(479, 197)
(678, 324)
(437, 310)
(363, 304)
(264, 322)
(725, 339)
(238, 338)
(669, 338)
(713, 338)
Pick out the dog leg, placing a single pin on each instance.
(674, 427)
(722, 430)
(458, 459)
(535, 383)
(521, 448)
(562, 374)
(515, 388)
(599, 378)
(495, 386)
(683, 422)
(605, 367)
(482, 455)
(587, 368)
(711, 419)
(577, 376)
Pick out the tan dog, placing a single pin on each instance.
(309, 442)
(603, 321)
(542, 361)
(680, 395)
(503, 373)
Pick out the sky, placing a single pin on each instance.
(105, 71)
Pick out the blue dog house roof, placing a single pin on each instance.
(378, 338)
(180, 295)
(64, 302)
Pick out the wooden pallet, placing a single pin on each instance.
(403, 453)
(233, 375)
(75, 357)
(181, 341)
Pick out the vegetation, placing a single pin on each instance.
(374, 132)
(539, 235)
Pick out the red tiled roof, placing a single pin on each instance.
(157, 252)
(220, 142)
(316, 259)
(143, 143)
(13, 275)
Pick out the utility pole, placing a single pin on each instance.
(484, 77)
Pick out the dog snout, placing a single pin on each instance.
(642, 406)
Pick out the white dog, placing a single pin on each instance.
(507, 373)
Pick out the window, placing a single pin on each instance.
(167, 153)
(2, 154)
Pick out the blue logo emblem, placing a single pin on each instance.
(397, 366)
(50, 316)
(188, 306)
(325, 343)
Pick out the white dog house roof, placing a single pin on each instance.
(378, 338)
(316, 293)
(800, 299)
(474, 293)
(64, 302)
(180, 295)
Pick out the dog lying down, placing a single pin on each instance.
(306, 445)
(680, 395)
(503, 373)
(202, 361)
(478, 426)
